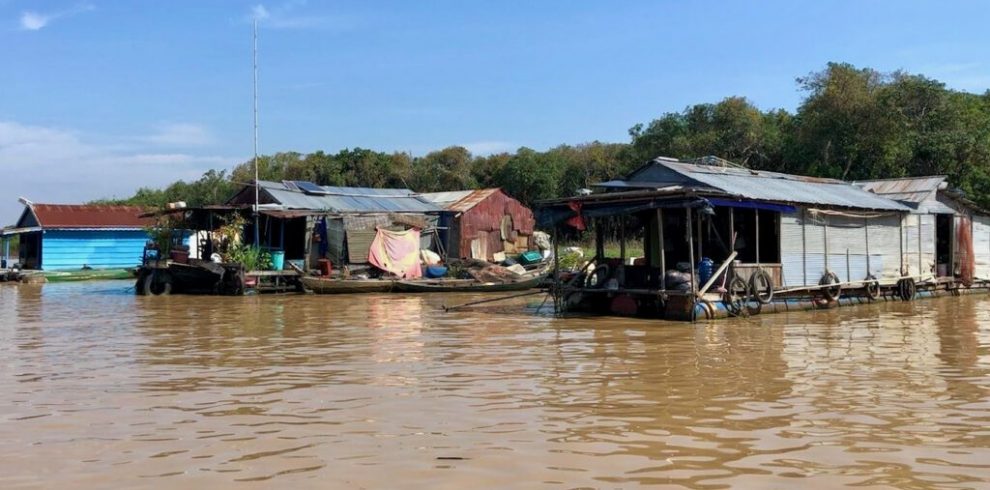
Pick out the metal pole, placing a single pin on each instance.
(257, 234)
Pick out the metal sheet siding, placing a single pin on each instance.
(814, 231)
(910, 230)
(885, 246)
(71, 250)
(981, 246)
(846, 233)
(927, 243)
(792, 249)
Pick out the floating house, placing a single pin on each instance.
(62, 237)
(310, 222)
(945, 233)
(719, 238)
(481, 223)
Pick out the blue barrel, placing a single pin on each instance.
(278, 259)
(705, 269)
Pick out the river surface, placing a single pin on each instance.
(103, 389)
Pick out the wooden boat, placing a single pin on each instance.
(323, 285)
(528, 281)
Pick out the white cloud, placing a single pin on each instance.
(34, 21)
(259, 12)
(483, 148)
(287, 15)
(181, 134)
(48, 164)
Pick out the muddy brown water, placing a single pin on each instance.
(101, 389)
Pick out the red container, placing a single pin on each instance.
(325, 267)
(180, 256)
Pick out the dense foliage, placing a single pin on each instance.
(854, 123)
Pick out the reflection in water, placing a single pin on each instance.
(100, 388)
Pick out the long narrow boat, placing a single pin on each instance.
(467, 285)
(323, 285)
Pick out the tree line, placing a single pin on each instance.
(852, 124)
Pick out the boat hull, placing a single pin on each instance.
(465, 286)
(321, 285)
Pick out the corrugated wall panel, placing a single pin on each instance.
(792, 249)
(846, 234)
(71, 250)
(885, 246)
(910, 230)
(814, 240)
(814, 231)
(981, 246)
(848, 267)
(927, 243)
(814, 267)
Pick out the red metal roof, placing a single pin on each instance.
(89, 216)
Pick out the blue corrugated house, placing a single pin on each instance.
(60, 237)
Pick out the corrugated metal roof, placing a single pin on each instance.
(757, 185)
(459, 201)
(909, 189)
(350, 199)
(80, 216)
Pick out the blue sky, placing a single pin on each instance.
(100, 97)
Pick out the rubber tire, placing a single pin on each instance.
(833, 293)
(754, 290)
(906, 289)
(872, 287)
(734, 297)
(164, 279)
(139, 285)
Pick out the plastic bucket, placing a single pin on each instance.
(278, 260)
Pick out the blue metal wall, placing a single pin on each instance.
(99, 249)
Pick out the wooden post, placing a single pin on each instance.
(663, 252)
(756, 215)
(732, 229)
(557, 304)
(694, 280)
(920, 266)
(622, 239)
(901, 237)
(690, 234)
(804, 246)
(826, 243)
(869, 271)
(599, 239)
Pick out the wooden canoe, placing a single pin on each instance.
(466, 285)
(322, 285)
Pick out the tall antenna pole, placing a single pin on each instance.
(257, 234)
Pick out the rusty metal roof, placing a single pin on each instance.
(908, 189)
(459, 201)
(85, 216)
